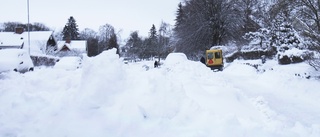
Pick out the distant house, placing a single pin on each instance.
(72, 48)
(41, 42)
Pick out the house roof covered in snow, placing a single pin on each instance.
(79, 45)
(38, 40)
(11, 40)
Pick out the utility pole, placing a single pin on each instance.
(28, 27)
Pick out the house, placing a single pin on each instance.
(72, 48)
(41, 42)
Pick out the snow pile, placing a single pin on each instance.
(293, 55)
(181, 98)
(295, 52)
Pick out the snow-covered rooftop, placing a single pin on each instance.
(38, 40)
(10, 39)
(80, 45)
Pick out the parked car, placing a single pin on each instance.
(15, 60)
(68, 63)
(175, 58)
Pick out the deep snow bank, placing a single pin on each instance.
(102, 77)
(182, 98)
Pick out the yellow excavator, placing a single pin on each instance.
(213, 59)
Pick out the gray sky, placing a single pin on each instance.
(125, 15)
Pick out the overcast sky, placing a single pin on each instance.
(125, 15)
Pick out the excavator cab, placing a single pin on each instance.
(214, 59)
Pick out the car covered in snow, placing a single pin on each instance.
(175, 58)
(17, 60)
(68, 63)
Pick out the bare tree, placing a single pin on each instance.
(11, 26)
(39, 27)
(165, 32)
(207, 23)
(88, 33)
(309, 15)
(107, 38)
(105, 33)
(133, 47)
(113, 43)
(248, 10)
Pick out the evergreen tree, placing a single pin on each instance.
(152, 47)
(180, 15)
(259, 39)
(70, 30)
(153, 32)
(285, 38)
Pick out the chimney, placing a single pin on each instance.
(19, 30)
(68, 40)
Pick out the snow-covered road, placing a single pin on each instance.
(109, 98)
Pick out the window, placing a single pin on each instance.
(210, 55)
(217, 55)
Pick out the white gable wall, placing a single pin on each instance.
(38, 41)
